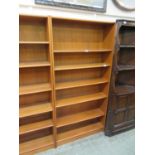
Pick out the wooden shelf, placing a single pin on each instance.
(33, 42)
(80, 99)
(79, 117)
(35, 88)
(65, 85)
(79, 66)
(36, 144)
(126, 67)
(24, 129)
(128, 25)
(83, 51)
(122, 90)
(78, 133)
(82, 66)
(33, 64)
(35, 109)
(127, 46)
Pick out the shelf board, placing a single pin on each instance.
(128, 25)
(80, 83)
(79, 117)
(78, 133)
(80, 99)
(33, 42)
(127, 46)
(126, 67)
(31, 127)
(79, 66)
(123, 90)
(36, 144)
(33, 64)
(35, 88)
(35, 109)
(83, 51)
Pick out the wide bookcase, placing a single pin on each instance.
(121, 107)
(65, 68)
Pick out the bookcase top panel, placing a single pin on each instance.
(24, 16)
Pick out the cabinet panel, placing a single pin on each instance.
(121, 116)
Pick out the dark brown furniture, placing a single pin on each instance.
(121, 108)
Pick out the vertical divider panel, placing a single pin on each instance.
(110, 40)
(52, 76)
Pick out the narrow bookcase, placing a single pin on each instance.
(121, 108)
(36, 85)
(65, 67)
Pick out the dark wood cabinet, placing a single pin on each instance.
(121, 108)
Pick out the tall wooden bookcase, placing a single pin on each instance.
(65, 68)
(121, 107)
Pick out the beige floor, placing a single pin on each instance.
(98, 144)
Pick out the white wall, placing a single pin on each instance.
(112, 13)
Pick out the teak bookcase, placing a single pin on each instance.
(121, 107)
(65, 68)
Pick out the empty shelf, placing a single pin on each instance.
(33, 42)
(35, 109)
(79, 117)
(127, 46)
(65, 85)
(35, 126)
(83, 51)
(129, 25)
(126, 67)
(33, 64)
(122, 90)
(79, 66)
(80, 99)
(35, 88)
(34, 145)
(78, 133)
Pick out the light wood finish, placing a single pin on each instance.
(33, 29)
(36, 75)
(24, 129)
(52, 73)
(33, 53)
(78, 133)
(77, 35)
(83, 51)
(34, 145)
(64, 69)
(81, 20)
(33, 64)
(81, 99)
(75, 118)
(33, 42)
(81, 74)
(38, 150)
(83, 66)
(34, 110)
(65, 85)
(31, 89)
(35, 79)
